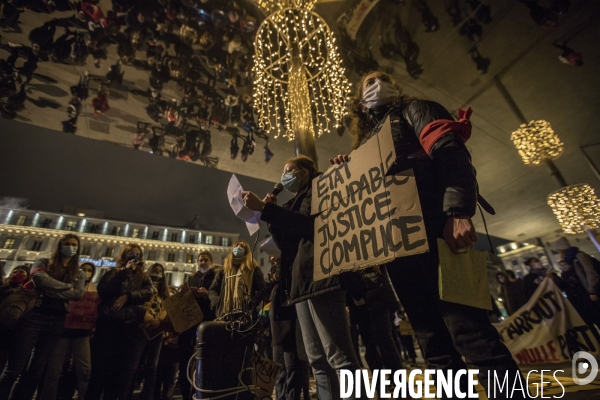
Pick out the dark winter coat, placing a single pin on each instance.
(138, 289)
(205, 280)
(292, 228)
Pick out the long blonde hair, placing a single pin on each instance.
(248, 263)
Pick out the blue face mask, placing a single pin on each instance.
(291, 181)
(238, 252)
(68, 251)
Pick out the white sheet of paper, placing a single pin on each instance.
(269, 247)
(234, 194)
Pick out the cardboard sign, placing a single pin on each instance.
(365, 216)
(83, 313)
(183, 311)
(265, 373)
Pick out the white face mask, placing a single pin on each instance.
(379, 93)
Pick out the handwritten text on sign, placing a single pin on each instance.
(183, 311)
(366, 217)
(83, 313)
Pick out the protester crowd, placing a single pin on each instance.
(310, 325)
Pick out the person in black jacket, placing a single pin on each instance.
(428, 140)
(537, 273)
(199, 284)
(511, 291)
(320, 305)
(579, 298)
(123, 291)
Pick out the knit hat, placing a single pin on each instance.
(562, 244)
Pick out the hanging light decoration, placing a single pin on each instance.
(300, 84)
(576, 207)
(536, 142)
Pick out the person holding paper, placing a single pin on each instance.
(320, 306)
(429, 141)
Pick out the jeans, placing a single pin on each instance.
(326, 335)
(293, 376)
(446, 331)
(82, 358)
(32, 345)
(115, 358)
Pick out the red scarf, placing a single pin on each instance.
(434, 130)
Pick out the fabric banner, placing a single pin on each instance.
(547, 329)
(83, 313)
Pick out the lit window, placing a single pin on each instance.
(71, 226)
(152, 255)
(189, 258)
(21, 220)
(225, 241)
(109, 252)
(9, 244)
(135, 233)
(209, 239)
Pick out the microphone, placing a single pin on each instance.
(277, 189)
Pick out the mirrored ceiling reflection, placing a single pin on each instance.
(155, 75)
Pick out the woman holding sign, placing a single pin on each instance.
(428, 140)
(320, 305)
(123, 290)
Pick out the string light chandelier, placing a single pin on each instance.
(537, 142)
(300, 84)
(576, 207)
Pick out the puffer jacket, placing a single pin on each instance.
(115, 283)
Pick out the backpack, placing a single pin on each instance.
(15, 303)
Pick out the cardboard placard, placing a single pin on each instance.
(265, 373)
(365, 216)
(83, 313)
(183, 311)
